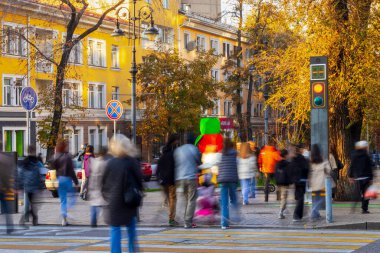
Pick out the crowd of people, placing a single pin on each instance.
(112, 181)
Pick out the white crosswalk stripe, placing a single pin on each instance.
(156, 239)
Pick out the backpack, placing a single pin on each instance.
(132, 194)
(281, 173)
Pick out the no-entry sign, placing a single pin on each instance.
(114, 109)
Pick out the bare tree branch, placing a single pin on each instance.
(37, 49)
(82, 11)
(98, 24)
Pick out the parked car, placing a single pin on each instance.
(146, 169)
(51, 180)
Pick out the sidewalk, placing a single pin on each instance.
(256, 215)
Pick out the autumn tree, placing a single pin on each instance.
(174, 92)
(347, 32)
(72, 12)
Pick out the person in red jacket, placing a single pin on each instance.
(268, 158)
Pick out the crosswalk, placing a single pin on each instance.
(51, 239)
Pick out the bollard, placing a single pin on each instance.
(329, 214)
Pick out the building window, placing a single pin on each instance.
(12, 87)
(76, 55)
(186, 40)
(14, 141)
(115, 57)
(71, 94)
(215, 74)
(215, 109)
(227, 49)
(13, 42)
(201, 43)
(259, 110)
(91, 137)
(227, 108)
(44, 42)
(148, 1)
(214, 44)
(165, 4)
(165, 35)
(115, 93)
(96, 53)
(96, 96)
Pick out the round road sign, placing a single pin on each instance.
(114, 109)
(28, 98)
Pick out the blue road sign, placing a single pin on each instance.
(114, 110)
(28, 98)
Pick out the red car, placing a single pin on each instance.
(146, 169)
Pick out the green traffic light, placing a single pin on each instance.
(318, 101)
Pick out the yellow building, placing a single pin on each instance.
(98, 70)
(99, 65)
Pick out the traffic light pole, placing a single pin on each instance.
(320, 118)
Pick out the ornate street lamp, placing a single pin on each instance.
(145, 13)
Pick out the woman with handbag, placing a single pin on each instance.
(122, 190)
(319, 170)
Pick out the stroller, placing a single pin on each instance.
(207, 202)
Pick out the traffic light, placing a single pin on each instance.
(318, 95)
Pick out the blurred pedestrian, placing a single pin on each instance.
(319, 170)
(86, 167)
(30, 181)
(246, 170)
(122, 190)
(299, 170)
(98, 167)
(228, 179)
(268, 158)
(6, 187)
(187, 159)
(166, 176)
(361, 171)
(63, 164)
(282, 176)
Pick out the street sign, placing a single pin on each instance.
(114, 109)
(28, 98)
(317, 72)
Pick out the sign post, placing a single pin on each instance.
(28, 100)
(114, 111)
(319, 117)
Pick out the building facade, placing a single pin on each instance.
(98, 68)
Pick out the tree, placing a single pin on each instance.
(174, 92)
(347, 32)
(72, 13)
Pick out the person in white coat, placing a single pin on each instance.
(246, 170)
(98, 166)
(320, 169)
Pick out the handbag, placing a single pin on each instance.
(132, 194)
(371, 192)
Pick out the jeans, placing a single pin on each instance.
(116, 238)
(170, 192)
(94, 214)
(66, 194)
(5, 210)
(317, 204)
(299, 195)
(227, 195)
(32, 209)
(245, 189)
(190, 193)
(252, 193)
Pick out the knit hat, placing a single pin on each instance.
(361, 145)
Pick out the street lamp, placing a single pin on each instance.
(145, 13)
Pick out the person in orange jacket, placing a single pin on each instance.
(268, 158)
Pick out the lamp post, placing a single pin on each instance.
(144, 13)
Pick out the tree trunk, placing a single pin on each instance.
(249, 108)
(58, 107)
